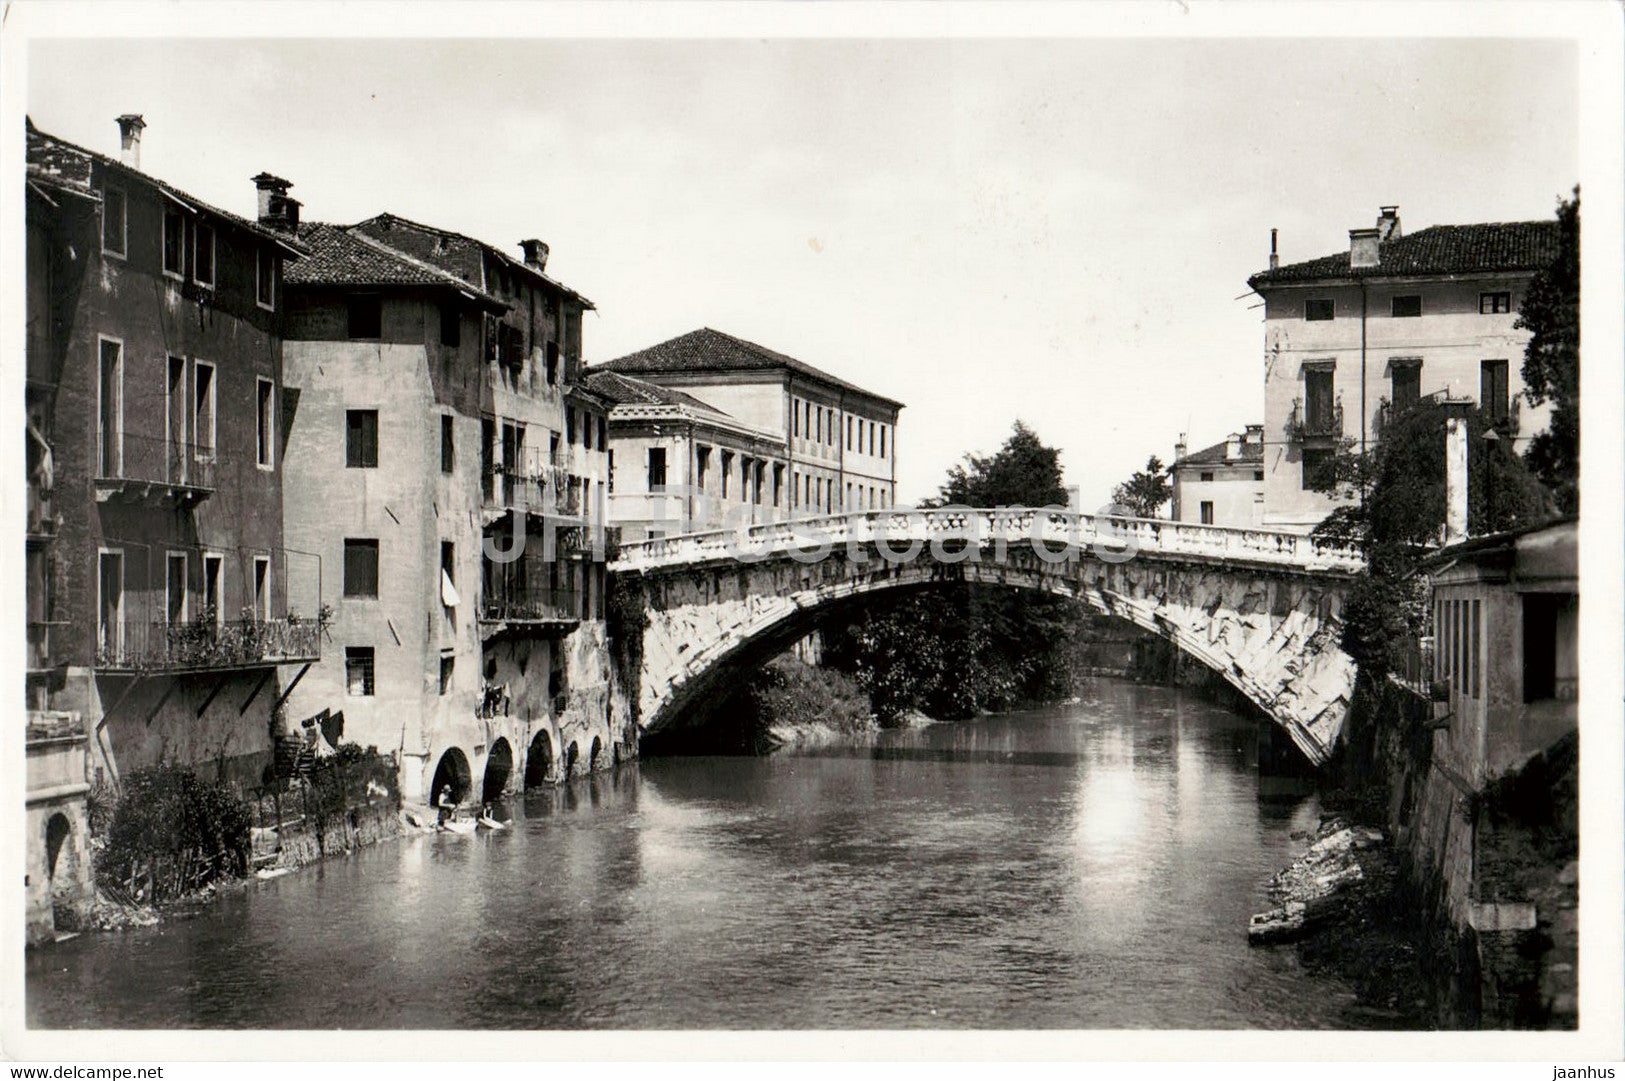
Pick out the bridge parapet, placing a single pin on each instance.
(1055, 532)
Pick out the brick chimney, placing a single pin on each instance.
(1275, 258)
(1253, 436)
(1363, 249)
(1232, 446)
(1388, 224)
(535, 254)
(1180, 448)
(129, 139)
(277, 209)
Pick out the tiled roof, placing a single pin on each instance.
(625, 390)
(460, 255)
(340, 256)
(1438, 249)
(708, 350)
(59, 163)
(1217, 455)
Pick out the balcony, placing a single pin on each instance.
(166, 472)
(537, 612)
(531, 484)
(1320, 422)
(204, 645)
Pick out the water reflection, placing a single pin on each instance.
(1086, 866)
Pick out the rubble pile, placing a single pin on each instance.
(1313, 886)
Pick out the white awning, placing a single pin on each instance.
(448, 592)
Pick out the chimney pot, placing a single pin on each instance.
(1232, 446)
(276, 208)
(129, 139)
(1363, 253)
(1388, 224)
(535, 254)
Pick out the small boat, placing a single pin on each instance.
(272, 872)
(489, 823)
(458, 825)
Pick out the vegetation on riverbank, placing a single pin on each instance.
(168, 833)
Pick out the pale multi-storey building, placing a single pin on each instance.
(1222, 484)
(1351, 338)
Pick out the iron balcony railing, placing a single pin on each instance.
(534, 605)
(531, 482)
(203, 644)
(1314, 423)
(144, 465)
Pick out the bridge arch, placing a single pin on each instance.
(1270, 625)
(498, 768)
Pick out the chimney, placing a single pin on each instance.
(1232, 446)
(277, 209)
(129, 139)
(1363, 249)
(1455, 472)
(535, 254)
(1253, 436)
(1275, 258)
(1180, 448)
(1388, 224)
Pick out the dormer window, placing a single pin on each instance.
(174, 243)
(203, 253)
(115, 222)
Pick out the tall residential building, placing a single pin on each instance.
(448, 464)
(1351, 338)
(841, 440)
(678, 465)
(1222, 484)
(158, 622)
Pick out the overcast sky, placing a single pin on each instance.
(1051, 230)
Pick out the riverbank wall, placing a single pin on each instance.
(1491, 867)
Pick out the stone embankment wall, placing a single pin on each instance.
(1493, 869)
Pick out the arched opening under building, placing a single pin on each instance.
(498, 768)
(452, 772)
(57, 831)
(592, 755)
(570, 757)
(538, 760)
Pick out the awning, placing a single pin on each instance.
(448, 592)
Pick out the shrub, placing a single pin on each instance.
(170, 833)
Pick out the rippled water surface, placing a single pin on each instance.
(1087, 866)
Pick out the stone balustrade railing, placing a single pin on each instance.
(1111, 538)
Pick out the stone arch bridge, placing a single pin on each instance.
(1261, 608)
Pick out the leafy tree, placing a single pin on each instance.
(959, 649)
(1146, 491)
(1551, 360)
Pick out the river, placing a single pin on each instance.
(1085, 866)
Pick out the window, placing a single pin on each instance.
(882, 440)
(358, 680)
(364, 314)
(265, 278)
(570, 426)
(1207, 512)
(262, 588)
(552, 355)
(795, 416)
(848, 502)
(611, 472)
(361, 438)
(174, 243)
(849, 433)
(778, 483)
(1320, 400)
(448, 575)
(175, 587)
(1493, 397)
(203, 253)
(1207, 476)
(1406, 383)
(657, 468)
(1258, 474)
(1318, 309)
(451, 326)
(447, 666)
(702, 460)
(214, 571)
(1474, 630)
(1550, 623)
(115, 222)
(360, 567)
(448, 449)
(110, 603)
(1494, 303)
(818, 426)
(110, 410)
(265, 399)
(1317, 462)
(1407, 307)
(203, 409)
(871, 437)
(603, 433)
(761, 476)
(727, 467)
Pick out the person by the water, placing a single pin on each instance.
(446, 805)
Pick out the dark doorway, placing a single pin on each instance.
(498, 768)
(56, 834)
(539, 760)
(452, 771)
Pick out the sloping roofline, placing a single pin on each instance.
(491, 249)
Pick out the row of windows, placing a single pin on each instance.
(186, 599)
(190, 418)
(821, 493)
(821, 424)
(1408, 306)
(361, 438)
(182, 233)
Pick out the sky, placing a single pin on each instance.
(1055, 230)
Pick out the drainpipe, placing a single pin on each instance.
(1363, 299)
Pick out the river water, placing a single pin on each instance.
(1084, 866)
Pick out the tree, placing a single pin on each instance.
(1146, 491)
(960, 649)
(1551, 360)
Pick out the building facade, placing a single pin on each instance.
(159, 623)
(840, 440)
(677, 465)
(1351, 338)
(1222, 484)
(448, 459)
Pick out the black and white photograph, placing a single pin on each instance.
(760, 518)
